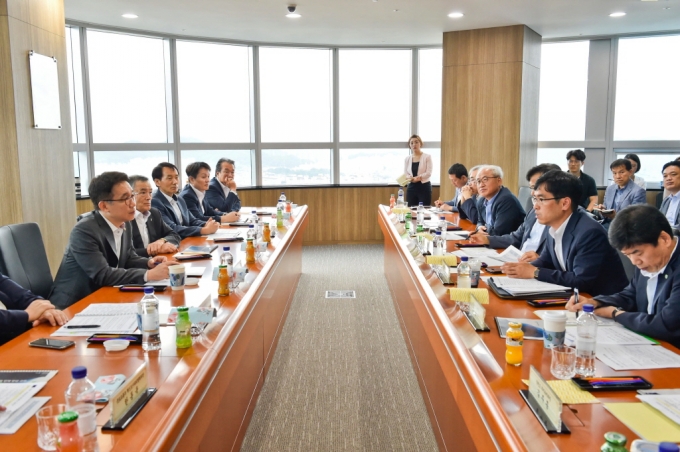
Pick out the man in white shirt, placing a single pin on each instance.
(194, 195)
(671, 182)
(222, 191)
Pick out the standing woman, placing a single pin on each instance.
(418, 169)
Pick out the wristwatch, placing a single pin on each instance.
(536, 273)
(616, 311)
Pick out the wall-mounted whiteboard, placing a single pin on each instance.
(45, 91)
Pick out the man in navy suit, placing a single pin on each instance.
(222, 191)
(622, 193)
(531, 235)
(577, 253)
(467, 203)
(24, 309)
(173, 209)
(194, 195)
(670, 206)
(650, 304)
(458, 175)
(499, 210)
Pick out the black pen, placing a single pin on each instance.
(77, 327)
(576, 301)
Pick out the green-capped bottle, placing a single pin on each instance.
(183, 328)
(614, 442)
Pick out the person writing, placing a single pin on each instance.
(499, 210)
(671, 183)
(458, 175)
(650, 303)
(418, 169)
(622, 193)
(194, 192)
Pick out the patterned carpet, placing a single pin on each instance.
(341, 378)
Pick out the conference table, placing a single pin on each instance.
(471, 394)
(206, 393)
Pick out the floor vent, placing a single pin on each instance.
(340, 294)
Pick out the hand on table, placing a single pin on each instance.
(160, 246)
(37, 308)
(575, 307)
(211, 226)
(52, 316)
(231, 217)
(520, 270)
(529, 256)
(479, 237)
(159, 271)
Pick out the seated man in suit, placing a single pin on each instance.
(173, 209)
(622, 193)
(500, 212)
(150, 235)
(467, 203)
(23, 309)
(222, 191)
(100, 252)
(650, 303)
(671, 182)
(194, 195)
(531, 235)
(577, 253)
(458, 175)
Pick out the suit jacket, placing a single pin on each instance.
(664, 322)
(506, 212)
(518, 237)
(635, 195)
(593, 266)
(454, 202)
(216, 198)
(191, 199)
(424, 168)
(14, 319)
(90, 262)
(468, 210)
(190, 226)
(664, 209)
(156, 228)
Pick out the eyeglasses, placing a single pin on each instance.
(541, 201)
(485, 179)
(472, 180)
(130, 200)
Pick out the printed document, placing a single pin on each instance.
(516, 287)
(636, 357)
(11, 421)
(14, 395)
(111, 318)
(616, 335)
(669, 405)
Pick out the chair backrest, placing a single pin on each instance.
(525, 198)
(659, 199)
(628, 266)
(23, 258)
(85, 215)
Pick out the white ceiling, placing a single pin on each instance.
(369, 22)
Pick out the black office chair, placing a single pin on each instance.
(659, 199)
(23, 257)
(85, 215)
(524, 197)
(628, 266)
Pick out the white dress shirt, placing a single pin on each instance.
(557, 234)
(117, 235)
(141, 218)
(531, 244)
(653, 281)
(175, 206)
(200, 195)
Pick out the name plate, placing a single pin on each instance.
(476, 314)
(545, 403)
(128, 394)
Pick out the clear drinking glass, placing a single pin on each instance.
(563, 363)
(48, 426)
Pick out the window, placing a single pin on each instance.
(375, 88)
(371, 166)
(430, 94)
(214, 92)
(647, 92)
(296, 92)
(564, 91)
(650, 164)
(557, 156)
(242, 159)
(127, 88)
(129, 162)
(75, 85)
(296, 167)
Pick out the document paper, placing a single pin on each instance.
(669, 405)
(636, 357)
(616, 335)
(11, 421)
(111, 318)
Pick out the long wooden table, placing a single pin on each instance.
(471, 394)
(206, 393)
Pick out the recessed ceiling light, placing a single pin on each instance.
(130, 16)
(456, 15)
(395, 10)
(619, 14)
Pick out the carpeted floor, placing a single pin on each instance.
(341, 378)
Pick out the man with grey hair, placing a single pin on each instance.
(221, 194)
(500, 212)
(467, 202)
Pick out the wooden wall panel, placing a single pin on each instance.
(83, 206)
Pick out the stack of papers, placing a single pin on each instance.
(108, 318)
(486, 255)
(517, 287)
(635, 357)
(571, 317)
(20, 404)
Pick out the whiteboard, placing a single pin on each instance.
(45, 91)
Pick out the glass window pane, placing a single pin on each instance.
(129, 162)
(375, 93)
(650, 165)
(371, 166)
(647, 92)
(557, 156)
(296, 167)
(295, 94)
(243, 166)
(564, 91)
(75, 85)
(127, 88)
(430, 94)
(214, 92)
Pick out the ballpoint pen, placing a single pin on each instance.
(576, 301)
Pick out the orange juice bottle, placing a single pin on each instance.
(223, 281)
(250, 252)
(266, 233)
(514, 338)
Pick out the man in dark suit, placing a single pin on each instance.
(100, 252)
(458, 175)
(23, 310)
(622, 193)
(670, 206)
(173, 209)
(467, 203)
(150, 235)
(194, 195)
(531, 236)
(222, 191)
(577, 253)
(500, 212)
(650, 304)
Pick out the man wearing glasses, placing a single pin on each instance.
(577, 253)
(467, 202)
(499, 210)
(222, 191)
(100, 251)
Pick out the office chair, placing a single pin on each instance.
(659, 199)
(23, 258)
(525, 198)
(628, 266)
(85, 215)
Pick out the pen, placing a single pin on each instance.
(576, 301)
(77, 327)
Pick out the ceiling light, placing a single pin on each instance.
(291, 12)
(666, 7)
(130, 16)
(619, 14)
(456, 15)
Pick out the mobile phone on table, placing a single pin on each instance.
(55, 344)
(616, 383)
(546, 303)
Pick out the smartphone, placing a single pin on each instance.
(617, 383)
(51, 343)
(493, 270)
(99, 338)
(545, 303)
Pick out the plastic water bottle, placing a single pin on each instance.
(464, 273)
(586, 342)
(438, 245)
(282, 198)
(400, 197)
(443, 226)
(252, 233)
(80, 397)
(149, 321)
(475, 271)
(420, 218)
(279, 216)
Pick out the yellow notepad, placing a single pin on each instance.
(482, 295)
(402, 180)
(425, 235)
(449, 259)
(645, 421)
(569, 393)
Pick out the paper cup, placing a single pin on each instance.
(554, 327)
(178, 276)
